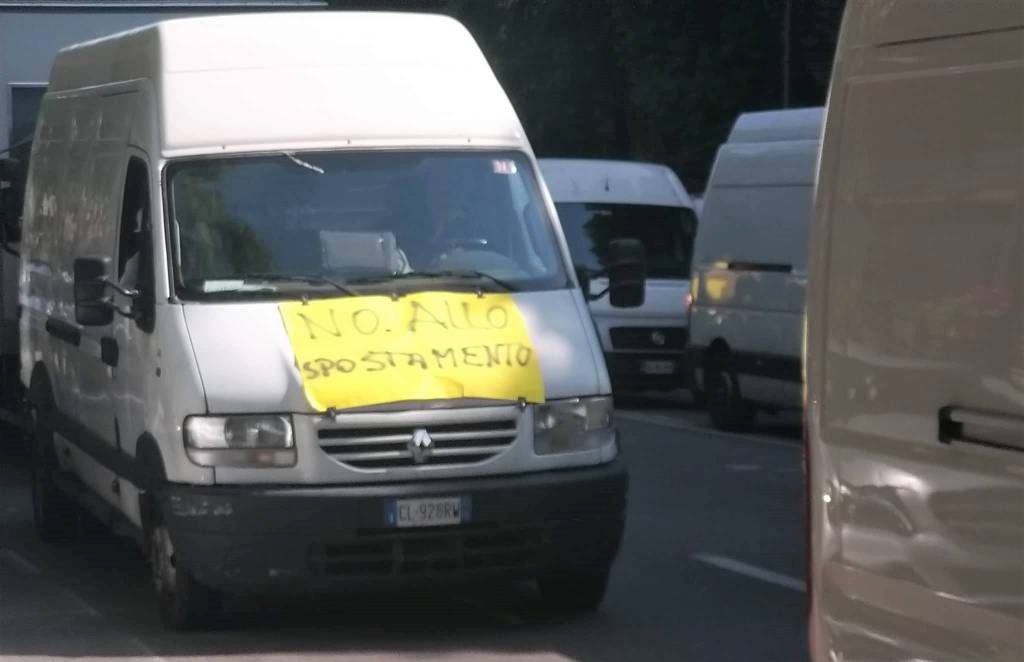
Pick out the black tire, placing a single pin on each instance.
(726, 406)
(54, 513)
(574, 591)
(185, 603)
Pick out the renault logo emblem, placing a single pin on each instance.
(421, 445)
(658, 338)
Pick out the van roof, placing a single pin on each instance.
(777, 125)
(622, 182)
(247, 82)
(160, 4)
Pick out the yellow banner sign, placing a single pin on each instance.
(361, 351)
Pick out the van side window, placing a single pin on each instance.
(134, 223)
(135, 244)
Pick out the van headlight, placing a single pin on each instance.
(577, 424)
(240, 441)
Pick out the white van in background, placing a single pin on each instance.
(915, 338)
(599, 201)
(291, 326)
(749, 274)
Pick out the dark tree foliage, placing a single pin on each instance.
(655, 80)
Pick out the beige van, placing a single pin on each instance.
(915, 343)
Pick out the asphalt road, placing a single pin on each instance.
(711, 569)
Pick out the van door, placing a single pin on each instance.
(923, 382)
(129, 349)
(95, 156)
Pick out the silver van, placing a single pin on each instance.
(599, 201)
(301, 315)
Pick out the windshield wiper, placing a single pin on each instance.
(454, 274)
(303, 164)
(312, 279)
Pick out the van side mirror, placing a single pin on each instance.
(92, 308)
(627, 273)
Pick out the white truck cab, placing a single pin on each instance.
(599, 201)
(296, 313)
(915, 338)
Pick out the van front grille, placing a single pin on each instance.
(649, 337)
(388, 447)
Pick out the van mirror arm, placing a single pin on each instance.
(130, 293)
(585, 276)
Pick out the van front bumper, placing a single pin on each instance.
(315, 539)
(655, 371)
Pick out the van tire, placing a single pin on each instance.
(185, 603)
(574, 591)
(726, 406)
(54, 513)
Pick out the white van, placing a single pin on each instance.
(296, 314)
(599, 201)
(750, 266)
(915, 342)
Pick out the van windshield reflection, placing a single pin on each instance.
(322, 223)
(667, 234)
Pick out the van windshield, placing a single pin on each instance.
(292, 224)
(666, 232)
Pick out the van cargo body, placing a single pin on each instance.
(915, 338)
(340, 348)
(750, 266)
(599, 201)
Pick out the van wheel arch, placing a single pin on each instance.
(716, 353)
(728, 409)
(184, 602)
(54, 513)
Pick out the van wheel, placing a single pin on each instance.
(728, 409)
(54, 513)
(574, 591)
(185, 604)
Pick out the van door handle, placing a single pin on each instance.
(774, 267)
(954, 422)
(109, 351)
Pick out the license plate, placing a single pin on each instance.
(434, 511)
(658, 367)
